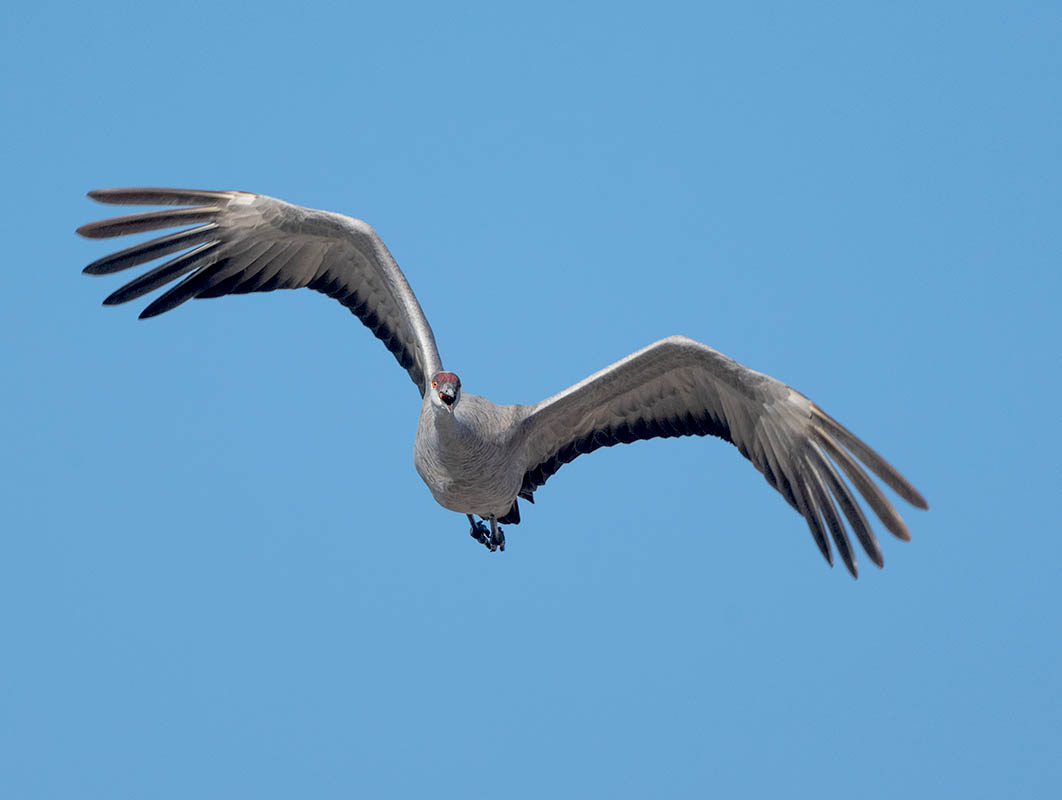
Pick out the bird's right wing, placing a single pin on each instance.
(680, 387)
(246, 242)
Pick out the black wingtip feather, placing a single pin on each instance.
(183, 291)
(873, 495)
(147, 221)
(848, 505)
(150, 311)
(828, 511)
(878, 465)
(152, 249)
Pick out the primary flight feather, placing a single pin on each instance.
(478, 458)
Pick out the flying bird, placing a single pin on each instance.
(479, 458)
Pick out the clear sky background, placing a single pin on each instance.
(221, 576)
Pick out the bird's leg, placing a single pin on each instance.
(479, 532)
(497, 538)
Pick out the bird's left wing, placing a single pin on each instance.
(246, 242)
(680, 387)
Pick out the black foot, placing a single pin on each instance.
(497, 538)
(492, 538)
(496, 541)
(480, 533)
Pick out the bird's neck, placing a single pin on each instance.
(448, 425)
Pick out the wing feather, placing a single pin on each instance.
(843, 497)
(155, 196)
(148, 221)
(148, 251)
(679, 387)
(869, 490)
(253, 243)
(828, 512)
(159, 276)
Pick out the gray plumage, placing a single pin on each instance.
(476, 457)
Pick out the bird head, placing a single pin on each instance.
(445, 390)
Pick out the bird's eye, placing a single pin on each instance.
(434, 384)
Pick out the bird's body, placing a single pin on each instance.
(479, 458)
(467, 457)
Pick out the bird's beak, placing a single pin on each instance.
(448, 401)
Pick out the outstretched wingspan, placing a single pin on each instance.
(680, 387)
(246, 242)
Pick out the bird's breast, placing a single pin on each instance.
(466, 470)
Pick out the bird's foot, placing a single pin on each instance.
(480, 533)
(492, 538)
(497, 540)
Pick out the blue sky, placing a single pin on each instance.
(221, 575)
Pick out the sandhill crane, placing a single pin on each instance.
(479, 458)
